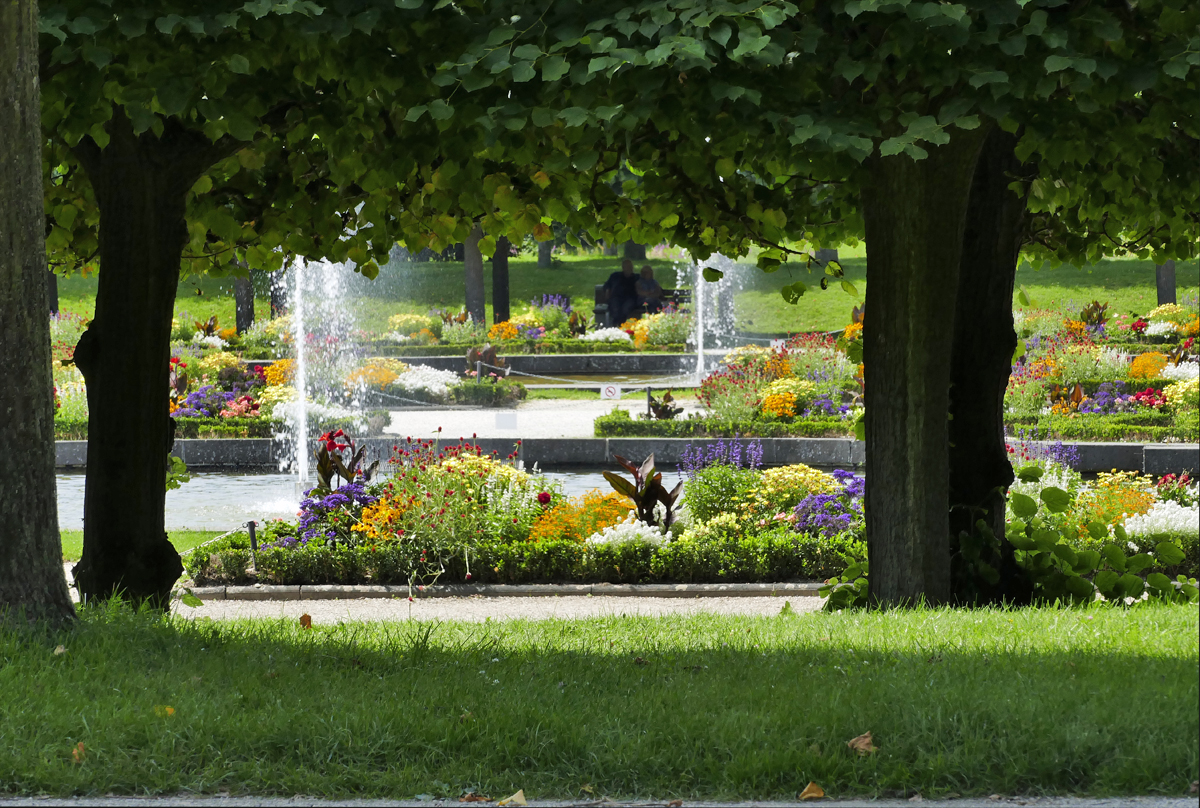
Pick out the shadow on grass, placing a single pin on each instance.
(1035, 701)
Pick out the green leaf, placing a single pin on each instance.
(415, 113)
(1056, 499)
(1065, 553)
(1030, 474)
(239, 64)
(1097, 530)
(189, 599)
(1105, 580)
(1129, 586)
(1115, 557)
(1160, 583)
(554, 68)
(1081, 588)
(1169, 553)
(849, 288)
(574, 116)
(439, 110)
(793, 292)
(989, 77)
(523, 71)
(1046, 540)
(1139, 562)
(1022, 505)
(1019, 351)
(860, 427)
(1056, 63)
(1021, 541)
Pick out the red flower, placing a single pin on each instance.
(544, 498)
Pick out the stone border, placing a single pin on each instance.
(261, 453)
(357, 592)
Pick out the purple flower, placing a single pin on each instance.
(694, 458)
(829, 514)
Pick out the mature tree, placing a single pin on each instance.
(819, 121)
(31, 576)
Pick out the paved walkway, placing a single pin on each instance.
(479, 609)
(543, 418)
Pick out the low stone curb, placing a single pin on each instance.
(356, 592)
(316, 802)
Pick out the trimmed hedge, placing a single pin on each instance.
(776, 556)
(1134, 427)
(214, 428)
(514, 347)
(618, 424)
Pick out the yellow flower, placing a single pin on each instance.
(214, 363)
(503, 331)
(406, 323)
(280, 373)
(378, 373)
(852, 331)
(781, 405)
(1148, 366)
(1183, 395)
(1075, 327)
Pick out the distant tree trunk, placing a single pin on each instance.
(31, 574)
(1164, 277)
(984, 342)
(243, 302)
(141, 184)
(545, 254)
(634, 251)
(500, 301)
(610, 247)
(52, 291)
(473, 275)
(278, 292)
(913, 258)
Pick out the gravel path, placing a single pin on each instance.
(478, 609)
(544, 418)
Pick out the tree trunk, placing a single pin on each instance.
(500, 298)
(31, 574)
(1164, 278)
(140, 184)
(545, 254)
(610, 247)
(634, 251)
(243, 302)
(279, 292)
(52, 292)
(913, 257)
(473, 275)
(981, 361)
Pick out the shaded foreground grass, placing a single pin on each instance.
(1100, 701)
(184, 540)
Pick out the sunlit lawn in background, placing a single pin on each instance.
(184, 540)
(1095, 701)
(1127, 285)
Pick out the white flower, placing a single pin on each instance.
(1181, 372)
(629, 530)
(1166, 516)
(606, 335)
(1160, 329)
(397, 337)
(422, 377)
(212, 342)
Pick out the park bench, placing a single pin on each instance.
(676, 297)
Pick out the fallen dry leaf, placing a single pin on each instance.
(1195, 788)
(473, 797)
(515, 799)
(163, 711)
(812, 791)
(78, 752)
(916, 798)
(60, 650)
(675, 804)
(862, 744)
(306, 620)
(639, 661)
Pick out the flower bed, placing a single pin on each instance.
(1067, 382)
(453, 515)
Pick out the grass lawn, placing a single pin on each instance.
(563, 393)
(184, 540)
(1127, 285)
(1055, 701)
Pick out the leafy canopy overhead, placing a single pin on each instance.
(346, 128)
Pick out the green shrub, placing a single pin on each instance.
(499, 392)
(715, 488)
(618, 424)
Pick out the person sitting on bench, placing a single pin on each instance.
(621, 292)
(649, 293)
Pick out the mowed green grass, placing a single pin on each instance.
(1099, 701)
(1126, 284)
(184, 540)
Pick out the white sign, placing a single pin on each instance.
(776, 344)
(506, 420)
(610, 391)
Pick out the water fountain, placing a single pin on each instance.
(713, 307)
